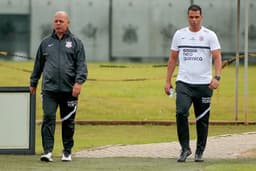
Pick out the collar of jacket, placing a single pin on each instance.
(67, 34)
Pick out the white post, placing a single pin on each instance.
(237, 58)
(246, 6)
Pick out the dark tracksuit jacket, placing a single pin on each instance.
(62, 63)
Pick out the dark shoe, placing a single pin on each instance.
(183, 155)
(199, 158)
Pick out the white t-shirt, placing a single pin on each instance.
(195, 58)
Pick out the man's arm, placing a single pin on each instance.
(173, 57)
(81, 69)
(81, 65)
(216, 54)
(37, 70)
(217, 61)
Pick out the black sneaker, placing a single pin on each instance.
(199, 157)
(183, 155)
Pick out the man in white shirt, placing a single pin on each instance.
(194, 47)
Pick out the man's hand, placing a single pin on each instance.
(32, 90)
(167, 88)
(214, 84)
(76, 89)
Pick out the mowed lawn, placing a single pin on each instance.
(31, 163)
(122, 91)
(135, 91)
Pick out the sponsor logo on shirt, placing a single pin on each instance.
(193, 58)
(188, 55)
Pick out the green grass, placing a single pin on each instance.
(95, 136)
(110, 97)
(107, 96)
(31, 163)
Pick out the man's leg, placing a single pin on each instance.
(201, 103)
(68, 109)
(50, 105)
(183, 103)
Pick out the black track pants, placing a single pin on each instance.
(200, 97)
(68, 106)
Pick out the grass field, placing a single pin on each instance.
(31, 163)
(95, 136)
(135, 92)
(131, 92)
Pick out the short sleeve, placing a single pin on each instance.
(214, 42)
(174, 44)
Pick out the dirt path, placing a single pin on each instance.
(218, 147)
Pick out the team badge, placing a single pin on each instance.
(201, 38)
(68, 44)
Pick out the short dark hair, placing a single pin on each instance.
(195, 7)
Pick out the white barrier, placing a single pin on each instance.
(17, 123)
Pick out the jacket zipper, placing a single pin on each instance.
(59, 45)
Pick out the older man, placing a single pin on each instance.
(61, 59)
